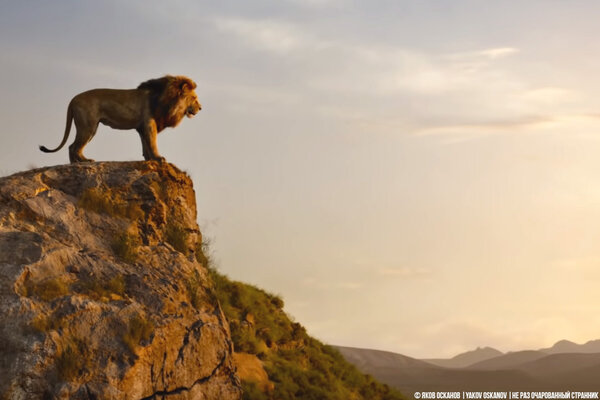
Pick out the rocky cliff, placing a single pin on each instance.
(103, 294)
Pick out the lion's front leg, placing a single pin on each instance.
(148, 136)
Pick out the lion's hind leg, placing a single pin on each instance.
(76, 155)
(85, 133)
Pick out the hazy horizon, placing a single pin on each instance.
(416, 177)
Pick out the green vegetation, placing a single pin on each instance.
(251, 391)
(46, 290)
(194, 286)
(51, 322)
(125, 246)
(67, 363)
(116, 285)
(72, 359)
(110, 202)
(98, 289)
(139, 329)
(201, 252)
(40, 324)
(43, 324)
(177, 236)
(299, 366)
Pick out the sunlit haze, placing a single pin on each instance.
(415, 176)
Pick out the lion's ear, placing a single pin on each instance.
(185, 87)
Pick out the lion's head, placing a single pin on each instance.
(171, 98)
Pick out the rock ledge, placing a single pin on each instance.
(103, 294)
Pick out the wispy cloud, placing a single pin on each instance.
(488, 126)
(324, 284)
(270, 35)
(371, 67)
(393, 89)
(492, 53)
(499, 52)
(404, 272)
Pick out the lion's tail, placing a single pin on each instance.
(66, 136)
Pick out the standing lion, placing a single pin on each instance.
(155, 105)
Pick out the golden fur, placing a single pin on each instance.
(153, 106)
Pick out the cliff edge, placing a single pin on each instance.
(103, 294)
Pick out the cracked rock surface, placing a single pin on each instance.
(103, 294)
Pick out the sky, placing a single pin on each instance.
(421, 177)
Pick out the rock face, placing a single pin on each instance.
(103, 294)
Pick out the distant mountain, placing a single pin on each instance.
(530, 370)
(565, 346)
(560, 365)
(508, 360)
(410, 375)
(466, 359)
(380, 359)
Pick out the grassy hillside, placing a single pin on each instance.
(298, 366)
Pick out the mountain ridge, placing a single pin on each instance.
(566, 346)
(528, 370)
(467, 358)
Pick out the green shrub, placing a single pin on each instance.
(47, 290)
(238, 300)
(116, 285)
(202, 253)
(67, 364)
(139, 329)
(244, 340)
(177, 236)
(251, 391)
(125, 246)
(40, 324)
(96, 200)
(45, 323)
(98, 289)
(72, 360)
(194, 288)
(299, 366)
(109, 202)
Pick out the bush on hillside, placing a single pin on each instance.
(299, 366)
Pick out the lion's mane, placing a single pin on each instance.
(165, 94)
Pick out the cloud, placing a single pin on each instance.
(324, 284)
(266, 34)
(488, 126)
(483, 55)
(404, 272)
(389, 89)
(499, 52)
(371, 68)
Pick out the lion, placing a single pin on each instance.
(153, 106)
